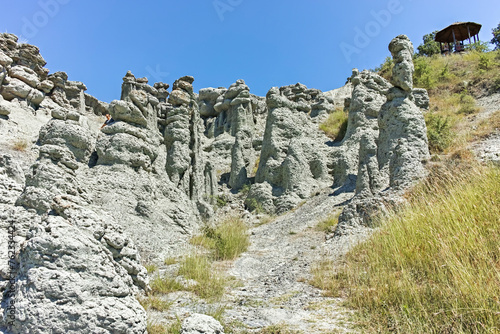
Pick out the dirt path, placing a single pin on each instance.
(275, 271)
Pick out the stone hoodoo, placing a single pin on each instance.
(187, 166)
(367, 98)
(392, 153)
(293, 159)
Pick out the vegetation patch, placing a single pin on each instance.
(210, 283)
(434, 266)
(20, 145)
(226, 241)
(165, 284)
(155, 303)
(335, 125)
(328, 224)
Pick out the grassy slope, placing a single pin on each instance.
(453, 83)
(434, 266)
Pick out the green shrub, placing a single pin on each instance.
(165, 284)
(335, 125)
(253, 205)
(467, 104)
(385, 70)
(424, 75)
(485, 62)
(433, 267)
(228, 240)
(439, 132)
(210, 283)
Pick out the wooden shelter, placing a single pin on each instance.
(453, 36)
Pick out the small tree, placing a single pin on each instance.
(430, 46)
(496, 37)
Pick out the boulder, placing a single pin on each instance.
(201, 323)
(25, 74)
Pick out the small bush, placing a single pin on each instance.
(467, 104)
(210, 283)
(227, 241)
(165, 284)
(439, 132)
(253, 205)
(328, 225)
(335, 125)
(424, 74)
(20, 145)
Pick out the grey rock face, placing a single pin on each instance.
(368, 96)
(65, 272)
(291, 160)
(391, 159)
(201, 323)
(402, 52)
(421, 98)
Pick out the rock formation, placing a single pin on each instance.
(392, 154)
(293, 159)
(88, 204)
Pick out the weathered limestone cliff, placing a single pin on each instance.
(88, 204)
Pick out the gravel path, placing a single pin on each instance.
(489, 148)
(275, 271)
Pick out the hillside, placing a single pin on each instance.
(223, 211)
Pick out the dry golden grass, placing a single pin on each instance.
(20, 145)
(434, 266)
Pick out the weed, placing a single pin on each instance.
(335, 125)
(151, 267)
(277, 329)
(155, 303)
(165, 284)
(210, 283)
(467, 104)
(154, 327)
(439, 132)
(253, 205)
(20, 145)
(170, 261)
(231, 239)
(328, 225)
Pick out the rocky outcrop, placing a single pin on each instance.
(391, 159)
(187, 166)
(293, 159)
(367, 98)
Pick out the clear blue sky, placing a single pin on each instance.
(267, 43)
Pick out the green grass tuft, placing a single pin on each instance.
(226, 241)
(210, 283)
(335, 125)
(165, 284)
